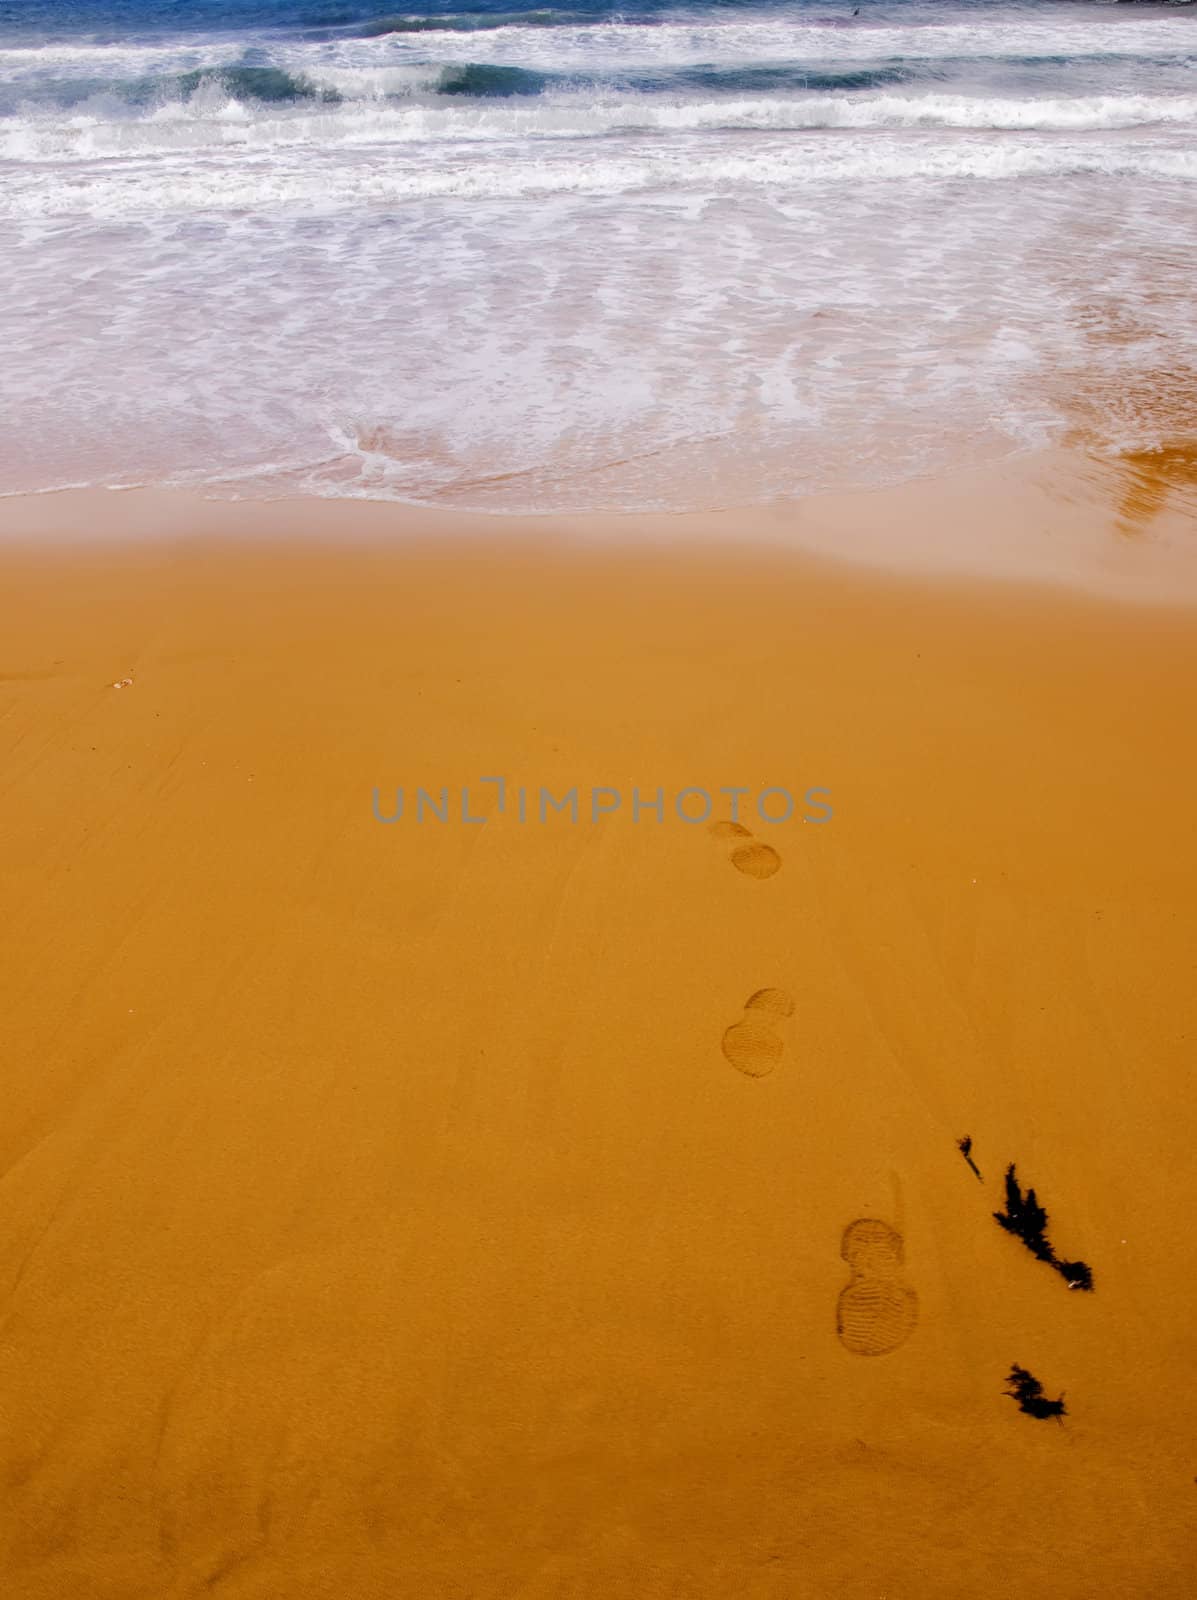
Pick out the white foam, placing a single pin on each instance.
(212, 120)
(358, 67)
(606, 46)
(595, 295)
(303, 170)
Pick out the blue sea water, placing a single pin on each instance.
(588, 256)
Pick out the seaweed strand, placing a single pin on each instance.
(1027, 1220)
(965, 1147)
(1028, 1391)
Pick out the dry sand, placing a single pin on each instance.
(382, 1212)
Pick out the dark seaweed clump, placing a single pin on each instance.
(1028, 1391)
(1027, 1220)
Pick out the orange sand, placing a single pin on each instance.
(383, 1212)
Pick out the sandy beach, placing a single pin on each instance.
(598, 675)
(421, 1208)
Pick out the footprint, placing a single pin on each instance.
(746, 853)
(876, 1311)
(754, 1045)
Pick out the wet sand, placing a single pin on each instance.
(466, 1208)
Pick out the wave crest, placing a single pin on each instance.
(464, 22)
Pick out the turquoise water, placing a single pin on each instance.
(589, 257)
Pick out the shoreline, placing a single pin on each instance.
(1060, 521)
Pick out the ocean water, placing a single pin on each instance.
(585, 257)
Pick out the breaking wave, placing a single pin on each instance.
(700, 253)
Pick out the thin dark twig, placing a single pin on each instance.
(965, 1147)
